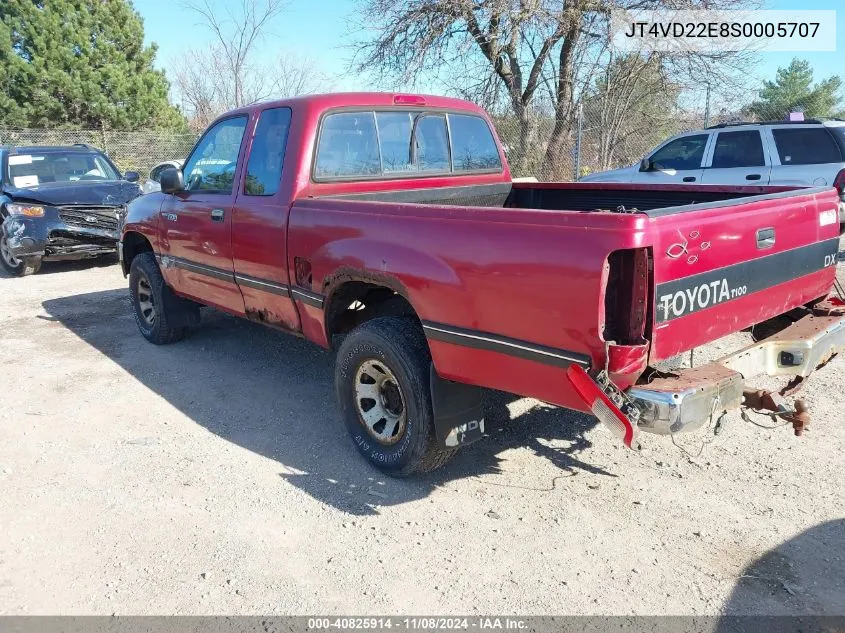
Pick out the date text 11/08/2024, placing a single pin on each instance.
(418, 623)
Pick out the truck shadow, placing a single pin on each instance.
(272, 393)
(802, 577)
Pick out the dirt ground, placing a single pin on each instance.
(214, 477)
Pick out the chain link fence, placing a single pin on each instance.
(591, 141)
(598, 137)
(131, 151)
(588, 145)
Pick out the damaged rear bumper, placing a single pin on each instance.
(688, 398)
(62, 234)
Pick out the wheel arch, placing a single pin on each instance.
(355, 297)
(133, 243)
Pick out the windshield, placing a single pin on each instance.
(31, 170)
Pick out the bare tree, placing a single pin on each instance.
(206, 90)
(628, 107)
(294, 75)
(527, 54)
(229, 74)
(238, 28)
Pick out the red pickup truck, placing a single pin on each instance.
(387, 225)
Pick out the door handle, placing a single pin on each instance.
(689, 178)
(217, 215)
(753, 177)
(765, 238)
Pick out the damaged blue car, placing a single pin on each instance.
(59, 203)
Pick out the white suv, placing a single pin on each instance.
(810, 153)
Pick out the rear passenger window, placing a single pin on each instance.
(738, 149)
(264, 170)
(806, 146)
(394, 135)
(348, 146)
(432, 143)
(473, 146)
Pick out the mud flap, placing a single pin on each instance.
(180, 312)
(458, 411)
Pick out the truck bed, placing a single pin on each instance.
(573, 196)
(536, 267)
(591, 196)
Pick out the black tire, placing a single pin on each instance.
(24, 266)
(399, 344)
(145, 273)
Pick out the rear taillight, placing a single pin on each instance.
(839, 182)
(626, 296)
(608, 413)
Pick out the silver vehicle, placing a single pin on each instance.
(152, 183)
(809, 152)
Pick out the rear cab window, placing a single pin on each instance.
(389, 144)
(473, 147)
(807, 145)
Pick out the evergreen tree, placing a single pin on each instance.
(80, 63)
(793, 90)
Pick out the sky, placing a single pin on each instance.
(317, 29)
(320, 30)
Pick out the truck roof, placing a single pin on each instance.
(331, 100)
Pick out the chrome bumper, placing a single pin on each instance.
(687, 399)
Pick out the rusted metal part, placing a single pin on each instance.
(793, 386)
(688, 378)
(764, 400)
(761, 400)
(806, 327)
(831, 306)
(802, 417)
(270, 319)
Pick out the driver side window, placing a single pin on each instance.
(683, 153)
(211, 166)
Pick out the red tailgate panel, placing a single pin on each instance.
(715, 275)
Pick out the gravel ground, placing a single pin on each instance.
(214, 477)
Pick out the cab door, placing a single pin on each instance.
(196, 223)
(678, 161)
(737, 158)
(260, 224)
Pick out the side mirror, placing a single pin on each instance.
(132, 176)
(646, 164)
(171, 180)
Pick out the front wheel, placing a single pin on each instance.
(382, 386)
(154, 305)
(17, 267)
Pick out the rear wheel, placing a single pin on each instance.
(382, 386)
(154, 305)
